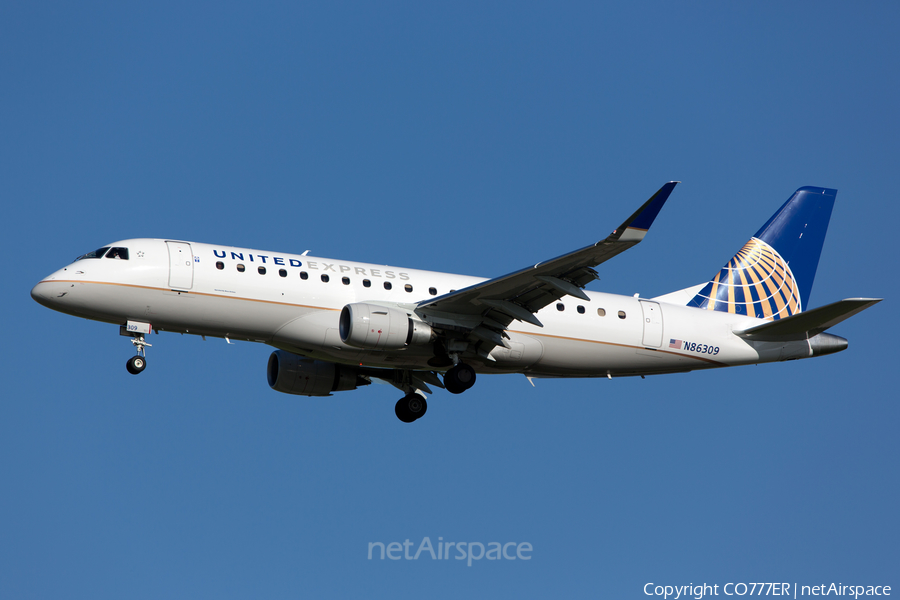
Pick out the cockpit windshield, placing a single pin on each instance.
(119, 253)
(95, 254)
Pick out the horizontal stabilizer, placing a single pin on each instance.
(809, 323)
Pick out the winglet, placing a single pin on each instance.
(635, 227)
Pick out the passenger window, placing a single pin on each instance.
(324, 278)
(240, 268)
(407, 287)
(345, 280)
(262, 270)
(367, 283)
(120, 253)
(621, 314)
(304, 275)
(220, 265)
(601, 312)
(432, 291)
(560, 306)
(282, 272)
(387, 285)
(580, 309)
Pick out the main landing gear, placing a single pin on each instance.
(459, 378)
(410, 407)
(138, 363)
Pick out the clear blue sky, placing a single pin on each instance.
(466, 137)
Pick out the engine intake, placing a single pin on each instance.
(381, 328)
(293, 374)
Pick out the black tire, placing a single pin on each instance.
(410, 407)
(451, 384)
(402, 412)
(459, 378)
(136, 364)
(466, 375)
(416, 405)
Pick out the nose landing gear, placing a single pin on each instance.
(138, 363)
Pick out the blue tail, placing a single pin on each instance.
(772, 275)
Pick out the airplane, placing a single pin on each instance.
(338, 325)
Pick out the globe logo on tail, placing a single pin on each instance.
(757, 282)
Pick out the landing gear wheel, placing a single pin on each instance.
(459, 378)
(410, 407)
(452, 385)
(136, 364)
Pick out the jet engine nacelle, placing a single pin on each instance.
(294, 374)
(381, 328)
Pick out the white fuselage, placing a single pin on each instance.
(198, 288)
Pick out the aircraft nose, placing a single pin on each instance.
(39, 292)
(46, 293)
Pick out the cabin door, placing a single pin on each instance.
(181, 265)
(653, 327)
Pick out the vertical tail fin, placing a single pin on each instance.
(772, 275)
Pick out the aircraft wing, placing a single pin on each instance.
(485, 309)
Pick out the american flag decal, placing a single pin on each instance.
(675, 344)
